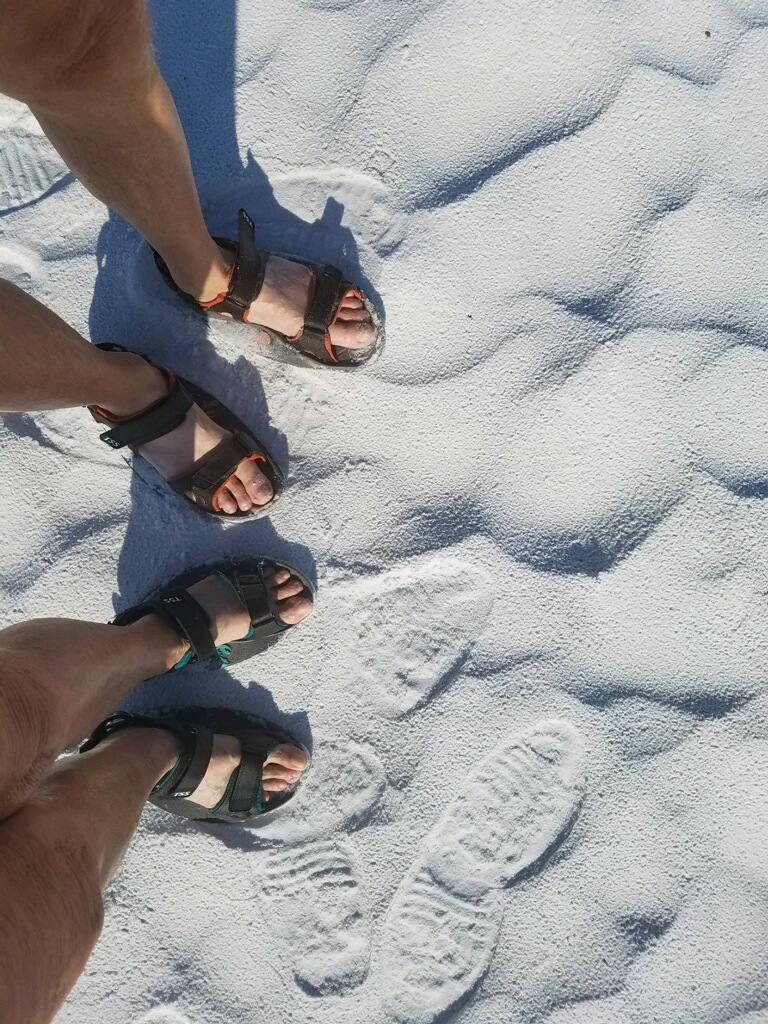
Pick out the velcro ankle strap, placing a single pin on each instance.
(188, 619)
(157, 421)
(248, 274)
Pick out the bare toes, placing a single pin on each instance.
(289, 756)
(257, 486)
(279, 776)
(352, 334)
(294, 609)
(275, 576)
(289, 589)
(273, 787)
(347, 316)
(240, 494)
(226, 502)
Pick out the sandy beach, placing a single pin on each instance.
(536, 681)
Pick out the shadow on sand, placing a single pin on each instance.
(195, 47)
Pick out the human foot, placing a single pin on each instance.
(284, 300)
(228, 617)
(313, 313)
(180, 451)
(282, 768)
(162, 747)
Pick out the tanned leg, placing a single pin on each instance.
(86, 70)
(64, 827)
(57, 853)
(59, 678)
(45, 364)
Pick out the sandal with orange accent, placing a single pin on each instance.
(209, 476)
(312, 345)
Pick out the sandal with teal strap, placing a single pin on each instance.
(188, 619)
(243, 800)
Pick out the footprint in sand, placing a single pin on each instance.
(437, 946)
(441, 930)
(29, 165)
(345, 783)
(414, 627)
(514, 808)
(318, 911)
(163, 1015)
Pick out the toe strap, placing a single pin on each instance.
(329, 290)
(258, 598)
(246, 791)
(210, 476)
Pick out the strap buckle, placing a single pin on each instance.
(251, 585)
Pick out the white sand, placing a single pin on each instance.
(536, 680)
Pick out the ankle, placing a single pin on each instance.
(156, 749)
(164, 647)
(130, 384)
(207, 277)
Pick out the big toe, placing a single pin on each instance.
(256, 484)
(293, 609)
(293, 603)
(352, 332)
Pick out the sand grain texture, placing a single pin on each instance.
(536, 683)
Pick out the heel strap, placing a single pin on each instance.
(183, 614)
(122, 720)
(247, 274)
(191, 765)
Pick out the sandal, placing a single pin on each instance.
(190, 622)
(242, 801)
(312, 345)
(210, 475)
